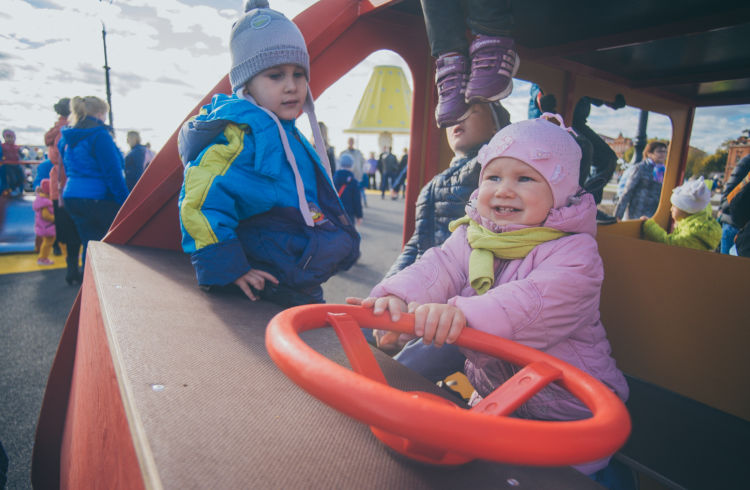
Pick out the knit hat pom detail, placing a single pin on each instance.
(256, 4)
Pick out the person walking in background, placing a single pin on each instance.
(694, 225)
(358, 160)
(729, 228)
(371, 166)
(388, 165)
(330, 151)
(347, 187)
(95, 186)
(135, 160)
(466, 74)
(149, 155)
(44, 222)
(358, 164)
(399, 184)
(65, 230)
(643, 187)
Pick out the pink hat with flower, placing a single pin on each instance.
(550, 149)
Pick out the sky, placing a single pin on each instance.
(166, 55)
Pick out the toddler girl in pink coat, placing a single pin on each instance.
(522, 264)
(44, 222)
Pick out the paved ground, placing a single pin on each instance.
(381, 232)
(34, 308)
(36, 304)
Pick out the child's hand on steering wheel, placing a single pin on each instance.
(387, 341)
(438, 323)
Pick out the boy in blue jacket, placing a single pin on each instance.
(257, 205)
(347, 186)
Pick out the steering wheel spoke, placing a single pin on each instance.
(518, 389)
(355, 346)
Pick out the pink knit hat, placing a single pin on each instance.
(548, 148)
(44, 185)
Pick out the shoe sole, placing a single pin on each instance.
(450, 123)
(476, 98)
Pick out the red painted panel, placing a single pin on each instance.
(97, 450)
(45, 459)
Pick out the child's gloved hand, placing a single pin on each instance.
(254, 278)
(438, 323)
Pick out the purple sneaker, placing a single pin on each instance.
(452, 73)
(494, 63)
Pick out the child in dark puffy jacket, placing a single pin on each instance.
(348, 188)
(44, 222)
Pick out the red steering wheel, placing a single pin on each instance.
(432, 429)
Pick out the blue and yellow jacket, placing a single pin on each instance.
(239, 207)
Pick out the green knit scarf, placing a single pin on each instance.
(508, 245)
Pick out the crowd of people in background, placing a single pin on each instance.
(61, 230)
(79, 180)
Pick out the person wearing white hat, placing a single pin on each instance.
(694, 225)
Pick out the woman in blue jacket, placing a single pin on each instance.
(95, 187)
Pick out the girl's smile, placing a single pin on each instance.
(513, 192)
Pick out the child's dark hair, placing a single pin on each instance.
(652, 146)
(62, 107)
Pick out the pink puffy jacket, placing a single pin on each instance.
(548, 300)
(42, 227)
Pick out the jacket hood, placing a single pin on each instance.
(73, 136)
(229, 107)
(577, 217)
(198, 133)
(51, 135)
(702, 225)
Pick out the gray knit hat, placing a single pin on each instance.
(263, 38)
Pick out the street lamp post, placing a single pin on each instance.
(640, 137)
(106, 76)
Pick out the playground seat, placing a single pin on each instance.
(682, 443)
